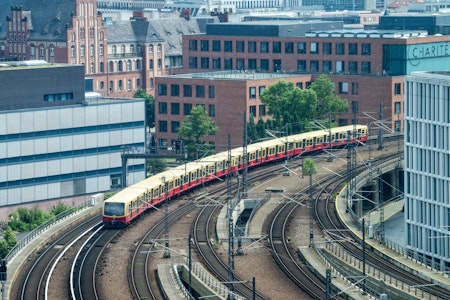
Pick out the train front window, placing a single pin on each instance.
(114, 209)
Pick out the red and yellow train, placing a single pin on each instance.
(129, 203)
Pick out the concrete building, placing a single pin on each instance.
(225, 96)
(53, 143)
(427, 168)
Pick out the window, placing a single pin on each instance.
(216, 46)
(120, 66)
(212, 110)
(175, 108)
(228, 46)
(355, 88)
(353, 67)
(192, 45)
(326, 48)
(128, 65)
(240, 46)
(175, 90)
(289, 47)
(264, 47)
(397, 108)
(129, 85)
(150, 48)
(340, 49)
(252, 64)
(301, 48)
(52, 51)
(252, 110)
(159, 63)
(151, 84)
(251, 47)
(81, 51)
(252, 92)
(138, 84)
(32, 50)
(212, 91)
(159, 47)
(122, 49)
(72, 51)
(175, 126)
(162, 108)
(151, 64)
(314, 66)
(162, 89)
(277, 65)
(216, 63)
(102, 67)
(365, 67)
(264, 65)
(193, 62)
(187, 90)
(343, 87)
(228, 63)
(300, 85)
(340, 66)
(162, 126)
(261, 89)
(276, 47)
(353, 49)
(204, 63)
(301, 65)
(314, 48)
(114, 50)
(91, 50)
(366, 49)
(240, 64)
(262, 110)
(111, 86)
(101, 49)
(326, 66)
(397, 89)
(187, 107)
(204, 45)
(200, 91)
(42, 50)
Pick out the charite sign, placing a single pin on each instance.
(429, 50)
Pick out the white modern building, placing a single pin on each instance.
(427, 167)
(54, 144)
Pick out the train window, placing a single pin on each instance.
(281, 148)
(170, 185)
(155, 192)
(193, 175)
(186, 179)
(212, 170)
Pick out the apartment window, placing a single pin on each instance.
(175, 90)
(314, 66)
(216, 63)
(175, 126)
(114, 49)
(397, 108)
(228, 46)
(204, 62)
(101, 49)
(72, 51)
(32, 50)
(366, 49)
(200, 91)
(252, 92)
(187, 90)
(204, 45)
(262, 110)
(175, 108)
(289, 47)
(353, 67)
(277, 65)
(301, 48)
(129, 85)
(211, 91)
(211, 110)
(355, 88)
(300, 85)
(102, 67)
(150, 64)
(162, 89)
(301, 65)
(340, 49)
(251, 47)
(326, 66)
(276, 47)
(343, 87)
(340, 66)
(192, 45)
(162, 108)
(111, 66)
(264, 47)
(162, 126)
(240, 46)
(128, 65)
(365, 67)
(264, 65)
(252, 110)
(150, 48)
(216, 46)
(187, 107)
(228, 63)
(91, 50)
(240, 64)
(397, 89)
(261, 89)
(81, 51)
(119, 66)
(252, 64)
(193, 62)
(159, 64)
(326, 48)
(353, 49)
(314, 48)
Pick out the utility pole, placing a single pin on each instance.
(230, 228)
(380, 130)
(166, 218)
(244, 158)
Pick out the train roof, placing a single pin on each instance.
(130, 192)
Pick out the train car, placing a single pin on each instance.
(125, 206)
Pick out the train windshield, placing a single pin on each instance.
(114, 209)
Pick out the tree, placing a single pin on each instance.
(10, 237)
(198, 124)
(156, 165)
(149, 106)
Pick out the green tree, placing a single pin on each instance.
(4, 248)
(197, 125)
(252, 133)
(10, 237)
(156, 165)
(149, 106)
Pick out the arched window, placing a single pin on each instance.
(138, 83)
(150, 64)
(114, 50)
(138, 65)
(101, 36)
(72, 51)
(129, 85)
(41, 50)
(72, 36)
(111, 67)
(120, 85)
(159, 47)
(82, 51)
(119, 68)
(102, 67)
(151, 83)
(122, 49)
(101, 49)
(128, 65)
(111, 86)
(91, 50)
(32, 50)
(150, 48)
(52, 50)
(159, 64)
(92, 68)
(102, 85)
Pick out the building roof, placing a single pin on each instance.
(44, 23)
(234, 75)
